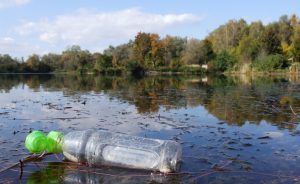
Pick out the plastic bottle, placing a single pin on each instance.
(106, 148)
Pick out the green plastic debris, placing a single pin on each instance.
(54, 142)
(37, 142)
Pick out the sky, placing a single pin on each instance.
(43, 26)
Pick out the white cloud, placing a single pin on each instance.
(7, 40)
(11, 3)
(90, 28)
(9, 45)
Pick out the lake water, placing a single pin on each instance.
(232, 129)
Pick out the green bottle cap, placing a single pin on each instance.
(36, 142)
(54, 142)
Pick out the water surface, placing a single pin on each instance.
(232, 129)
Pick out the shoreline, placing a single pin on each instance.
(263, 73)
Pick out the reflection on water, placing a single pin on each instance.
(57, 172)
(248, 124)
(234, 100)
(60, 172)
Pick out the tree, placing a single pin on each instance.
(270, 40)
(224, 61)
(76, 59)
(256, 30)
(8, 64)
(250, 46)
(157, 50)
(70, 58)
(173, 49)
(287, 50)
(85, 60)
(121, 54)
(33, 63)
(227, 36)
(193, 52)
(248, 49)
(53, 61)
(296, 44)
(141, 48)
(198, 52)
(285, 29)
(294, 20)
(208, 53)
(102, 62)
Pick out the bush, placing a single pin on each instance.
(224, 61)
(135, 68)
(176, 63)
(270, 63)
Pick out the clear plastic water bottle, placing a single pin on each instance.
(105, 148)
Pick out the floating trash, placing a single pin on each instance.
(105, 148)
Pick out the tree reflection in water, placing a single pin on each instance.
(235, 100)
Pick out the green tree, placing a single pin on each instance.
(256, 30)
(270, 40)
(296, 43)
(8, 64)
(33, 63)
(121, 54)
(70, 58)
(285, 29)
(227, 36)
(103, 62)
(198, 52)
(224, 60)
(173, 49)
(208, 53)
(248, 49)
(75, 59)
(53, 61)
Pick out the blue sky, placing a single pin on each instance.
(42, 26)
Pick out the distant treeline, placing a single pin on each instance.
(235, 46)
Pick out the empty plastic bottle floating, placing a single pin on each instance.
(105, 148)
